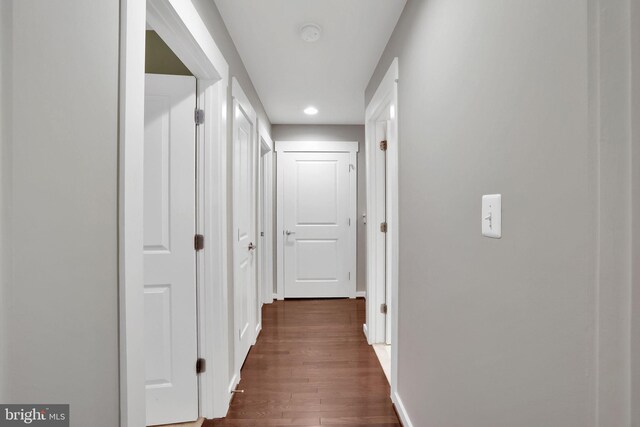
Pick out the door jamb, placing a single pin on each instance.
(386, 96)
(350, 147)
(265, 179)
(180, 26)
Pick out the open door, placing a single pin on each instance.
(244, 217)
(169, 254)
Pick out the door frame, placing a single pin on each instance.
(350, 147)
(386, 96)
(265, 215)
(180, 26)
(241, 101)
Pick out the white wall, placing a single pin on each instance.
(64, 309)
(635, 129)
(334, 133)
(611, 133)
(528, 99)
(5, 191)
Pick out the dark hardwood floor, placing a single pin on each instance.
(312, 366)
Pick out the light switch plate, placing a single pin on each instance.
(492, 215)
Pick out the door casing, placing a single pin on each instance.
(265, 216)
(350, 147)
(383, 106)
(180, 26)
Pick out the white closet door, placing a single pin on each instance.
(169, 255)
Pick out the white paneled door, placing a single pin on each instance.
(317, 218)
(244, 206)
(169, 255)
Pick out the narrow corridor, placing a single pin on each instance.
(312, 366)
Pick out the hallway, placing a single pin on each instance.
(312, 366)
(210, 185)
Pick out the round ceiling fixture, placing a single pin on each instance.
(311, 111)
(310, 32)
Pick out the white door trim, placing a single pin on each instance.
(317, 146)
(182, 29)
(239, 96)
(130, 201)
(385, 96)
(350, 147)
(179, 24)
(265, 250)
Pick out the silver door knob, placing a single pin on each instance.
(251, 246)
(289, 233)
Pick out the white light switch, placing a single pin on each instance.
(492, 215)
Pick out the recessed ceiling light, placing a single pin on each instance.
(311, 111)
(310, 32)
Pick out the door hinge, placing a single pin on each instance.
(199, 117)
(198, 242)
(349, 275)
(383, 145)
(201, 366)
(383, 308)
(383, 227)
(349, 222)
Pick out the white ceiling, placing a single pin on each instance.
(330, 74)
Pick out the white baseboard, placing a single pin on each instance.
(402, 412)
(359, 294)
(366, 331)
(258, 330)
(197, 423)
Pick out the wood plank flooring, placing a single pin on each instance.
(312, 366)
